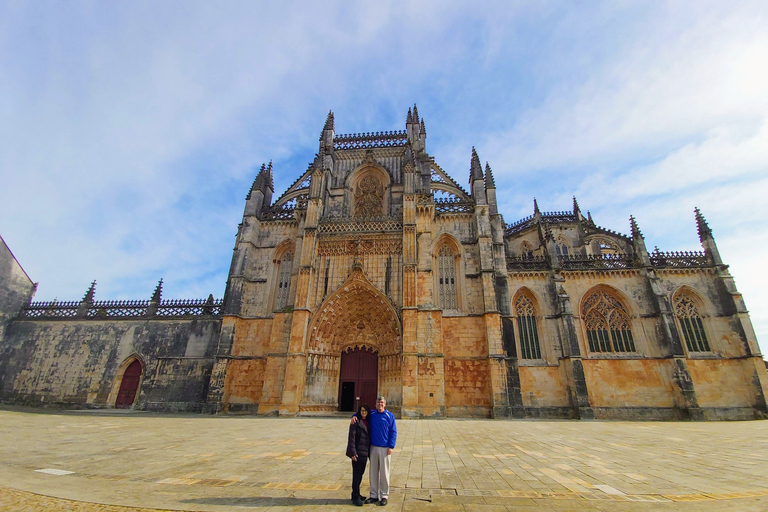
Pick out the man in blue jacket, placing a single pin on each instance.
(383, 437)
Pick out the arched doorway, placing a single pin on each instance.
(358, 378)
(129, 385)
(356, 319)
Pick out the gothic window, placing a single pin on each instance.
(691, 323)
(526, 251)
(369, 198)
(608, 324)
(561, 249)
(283, 280)
(446, 275)
(526, 328)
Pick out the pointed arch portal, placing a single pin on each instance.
(354, 338)
(129, 385)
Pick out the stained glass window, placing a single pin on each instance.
(608, 324)
(691, 324)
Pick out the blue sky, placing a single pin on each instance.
(132, 131)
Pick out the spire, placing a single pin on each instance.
(489, 181)
(576, 209)
(270, 180)
(329, 124)
(90, 293)
(409, 118)
(536, 207)
(415, 114)
(475, 169)
(158, 292)
(423, 128)
(702, 226)
(636, 233)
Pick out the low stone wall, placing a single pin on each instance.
(79, 363)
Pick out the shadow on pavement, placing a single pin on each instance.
(263, 501)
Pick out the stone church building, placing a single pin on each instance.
(377, 273)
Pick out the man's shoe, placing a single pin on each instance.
(370, 500)
(383, 501)
(358, 502)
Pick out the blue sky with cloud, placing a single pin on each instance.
(132, 131)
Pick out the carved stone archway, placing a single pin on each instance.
(357, 316)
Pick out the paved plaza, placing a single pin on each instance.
(109, 461)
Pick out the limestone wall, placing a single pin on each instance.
(78, 362)
(16, 288)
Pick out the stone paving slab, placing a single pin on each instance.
(141, 461)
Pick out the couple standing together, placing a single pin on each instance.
(372, 434)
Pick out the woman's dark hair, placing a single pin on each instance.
(360, 409)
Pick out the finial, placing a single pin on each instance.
(423, 128)
(489, 181)
(589, 217)
(271, 181)
(575, 206)
(409, 118)
(158, 292)
(475, 169)
(90, 293)
(329, 124)
(535, 207)
(636, 233)
(702, 226)
(415, 114)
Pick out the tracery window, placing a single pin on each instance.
(526, 328)
(526, 251)
(369, 198)
(608, 324)
(691, 323)
(561, 249)
(283, 287)
(446, 275)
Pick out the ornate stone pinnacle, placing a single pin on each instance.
(636, 233)
(489, 181)
(156, 296)
(329, 123)
(702, 226)
(475, 169)
(576, 208)
(535, 207)
(90, 293)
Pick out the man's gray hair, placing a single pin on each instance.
(381, 398)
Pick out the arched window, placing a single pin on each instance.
(607, 322)
(691, 323)
(283, 287)
(561, 248)
(526, 327)
(446, 278)
(526, 251)
(369, 198)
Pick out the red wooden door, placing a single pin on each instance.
(359, 368)
(129, 385)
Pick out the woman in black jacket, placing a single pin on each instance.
(357, 450)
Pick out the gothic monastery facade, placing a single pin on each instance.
(377, 273)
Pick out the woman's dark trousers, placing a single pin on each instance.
(358, 468)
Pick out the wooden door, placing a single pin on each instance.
(359, 369)
(129, 386)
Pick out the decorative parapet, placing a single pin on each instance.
(278, 214)
(100, 310)
(371, 140)
(682, 259)
(453, 206)
(598, 262)
(557, 217)
(517, 263)
(346, 226)
(520, 225)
